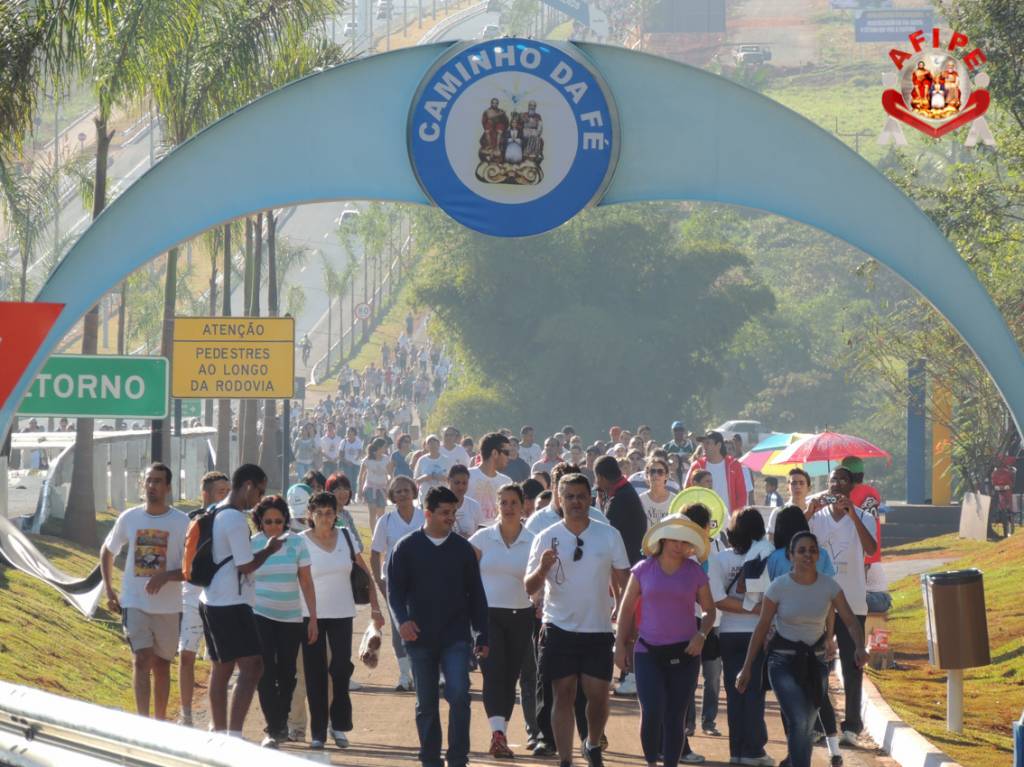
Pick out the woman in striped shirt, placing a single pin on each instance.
(282, 584)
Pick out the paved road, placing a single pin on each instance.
(784, 25)
(384, 734)
(470, 28)
(901, 568)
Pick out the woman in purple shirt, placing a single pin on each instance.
(666, 657)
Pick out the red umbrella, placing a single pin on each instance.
(829, 446)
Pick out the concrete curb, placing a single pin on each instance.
(897, 738)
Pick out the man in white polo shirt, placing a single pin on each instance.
(573, 562)
(847, 533)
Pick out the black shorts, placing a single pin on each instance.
(569, 653)
(230, 632)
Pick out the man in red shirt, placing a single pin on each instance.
(727, 475)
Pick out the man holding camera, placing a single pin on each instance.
(847, 533)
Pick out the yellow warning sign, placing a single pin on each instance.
(233, 357)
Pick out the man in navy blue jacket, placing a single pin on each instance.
(436, 595)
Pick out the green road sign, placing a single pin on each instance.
(101, 386)
(191, 408)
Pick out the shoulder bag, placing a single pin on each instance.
(360, 580)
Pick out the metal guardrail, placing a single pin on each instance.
(376, 299)
(39, 729)
(454, 20)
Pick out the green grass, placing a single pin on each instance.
(939, 546)
(48, 645)
(561, 32)
(855, 106)
(993, 695)
(388, 330)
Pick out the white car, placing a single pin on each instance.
(752, 432)
(489, 32)
(347, 217)
(351, 28)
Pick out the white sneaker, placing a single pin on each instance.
(340, 739)
(404, 674)
(849, 738)
(354, 685)
(692, 758)
(627, 686)
(758, 761)
(269, 742)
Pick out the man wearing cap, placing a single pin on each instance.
(727, 476)
(680, 443)
(573, 562)
(847, 533)
(866, 497)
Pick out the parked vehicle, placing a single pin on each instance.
(752, 432)
(489, 32)
(752, 54)
(351, 28)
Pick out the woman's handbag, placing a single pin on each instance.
(360, 580)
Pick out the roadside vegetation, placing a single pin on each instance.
(993, 695)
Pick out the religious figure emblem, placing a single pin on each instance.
(511, 146)
(936, 89)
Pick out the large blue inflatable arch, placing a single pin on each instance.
(685, 134)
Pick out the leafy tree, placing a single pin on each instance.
(610, 313)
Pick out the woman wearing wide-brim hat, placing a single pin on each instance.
(666, 657)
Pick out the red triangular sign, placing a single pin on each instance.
(23, 327)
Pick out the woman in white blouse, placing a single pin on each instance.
(331, 558)
(503, 550)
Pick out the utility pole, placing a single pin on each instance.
(56, 187)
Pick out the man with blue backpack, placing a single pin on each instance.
(218, 556)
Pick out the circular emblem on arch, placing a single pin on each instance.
(513, 137)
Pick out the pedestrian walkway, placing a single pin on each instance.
(385, 732)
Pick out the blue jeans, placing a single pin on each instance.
(664, 695)
(712, 671)
(748, 733)
(797, 706)
(453, 660)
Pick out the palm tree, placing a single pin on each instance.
(332, 281)
(26, 204)
(219, 65)
(113, 42)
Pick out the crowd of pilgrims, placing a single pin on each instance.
(564, 572)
